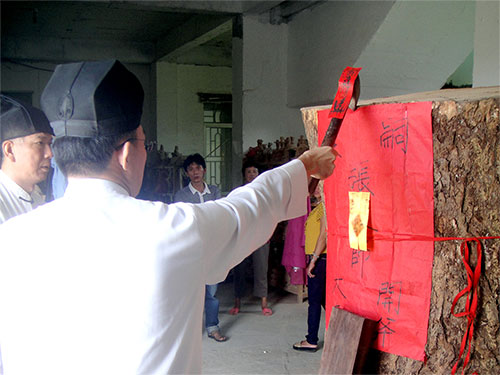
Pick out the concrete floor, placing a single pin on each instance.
(260, 344)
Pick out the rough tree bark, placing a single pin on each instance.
(466, 141)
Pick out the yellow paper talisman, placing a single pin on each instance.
(359, 205)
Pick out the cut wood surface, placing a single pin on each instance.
(466, 142)
(347, 343)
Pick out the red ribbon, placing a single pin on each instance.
(471, 291)
(344, 92)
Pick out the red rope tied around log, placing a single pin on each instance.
(471, 291)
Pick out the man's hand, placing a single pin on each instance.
(319, 162)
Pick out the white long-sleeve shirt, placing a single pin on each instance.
(98, 282)
(14, 200)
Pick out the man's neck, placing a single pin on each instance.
(200, 186)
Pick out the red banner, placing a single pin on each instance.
(385, 150)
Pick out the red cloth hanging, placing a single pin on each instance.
(387, 150)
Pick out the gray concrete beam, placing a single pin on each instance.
(230, 7)
(65, 50)
(259, 7)
(283, 12)
(208, 56)
(198, 30)
(190, 6)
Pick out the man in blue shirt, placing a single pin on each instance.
(198, 191)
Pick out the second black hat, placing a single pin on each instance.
(89, 99)
(19, 119)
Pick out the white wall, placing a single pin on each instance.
(323, 41)
(166, 105)
(19, 78)
(417, 47)
(266, 115)
(403, 47)
(180, 114)
(487, 44)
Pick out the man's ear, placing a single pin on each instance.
(8, 150)
(123, 155)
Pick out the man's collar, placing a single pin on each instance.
(194, 191)
(90, 185)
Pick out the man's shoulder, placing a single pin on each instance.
(15, 221)
(10, 188)
(4, 189)
(5, 182)
(185, 189)
(9, 201)
(214, 193)
(181, 194)
(213, 188)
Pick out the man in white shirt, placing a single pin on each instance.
(25, 137)
(120, 288)
(198, 191)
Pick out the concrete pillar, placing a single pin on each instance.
(237, 92)
(486, 70)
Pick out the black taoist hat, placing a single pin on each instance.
(19, 120)
(89, 99)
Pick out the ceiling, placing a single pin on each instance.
(189, 32)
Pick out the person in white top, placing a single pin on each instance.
(120, 288)
(198, 191)
(25, 137)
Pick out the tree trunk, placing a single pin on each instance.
(466, 141)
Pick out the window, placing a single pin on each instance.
(218, 144)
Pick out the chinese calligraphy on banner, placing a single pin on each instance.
(344, 92)
(385, 150)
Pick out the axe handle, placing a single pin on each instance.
(328, 140)
(334, 128)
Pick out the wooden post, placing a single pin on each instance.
(347, 342)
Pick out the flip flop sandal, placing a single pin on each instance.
(299, 346)
(234, 311)
(267, 311)
(217, 336)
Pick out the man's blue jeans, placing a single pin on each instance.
(211, 309)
